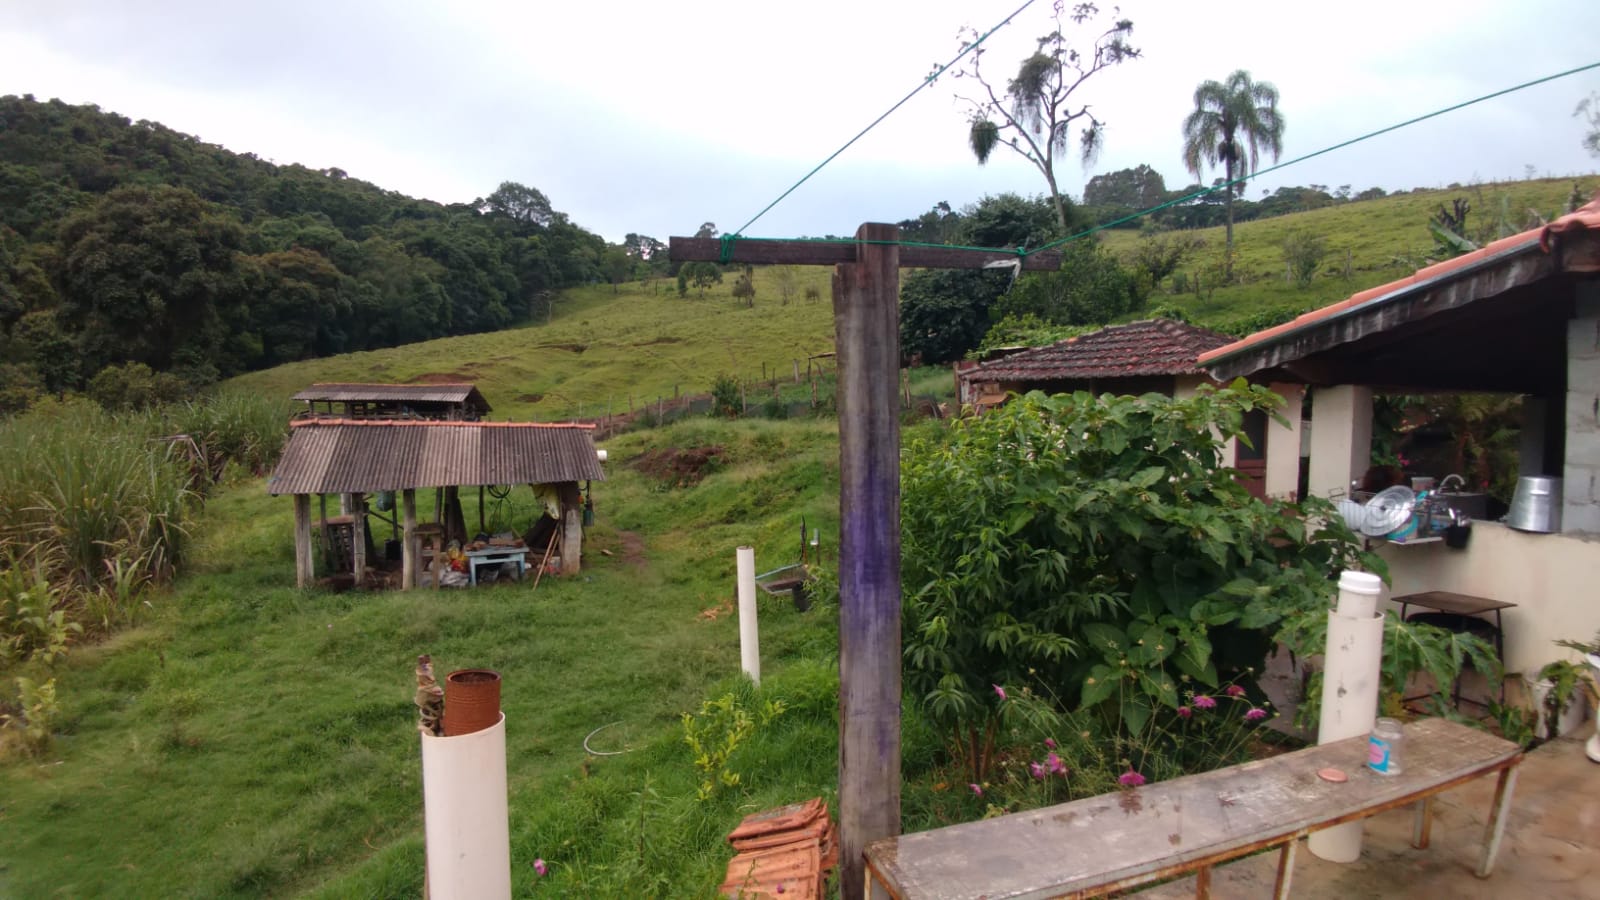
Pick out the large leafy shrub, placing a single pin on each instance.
(1097, 548)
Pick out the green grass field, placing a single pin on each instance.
(1381, 240)
(603, 350)
(253, 740)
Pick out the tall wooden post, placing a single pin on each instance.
(408, 547)
(358, 535)
(866, 318)
(867, 335)
(305, 572)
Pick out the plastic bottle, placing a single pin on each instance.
(1383, 747)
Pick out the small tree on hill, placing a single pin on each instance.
(1035, 115)
(744, 287)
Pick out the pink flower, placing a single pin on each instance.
(1184, 712)
(999, 691)
(780, 887)
(1234, 691)
(976, 790)
(1036, 770)
(1130, 778)
(1050, 742)
(1057, 767)
(1201, 701)
(540, 867)
(1255, 714)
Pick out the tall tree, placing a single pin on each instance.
(1233, 121)
(1035, 115)
(1588, 112)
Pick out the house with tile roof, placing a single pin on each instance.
(1519, 316)
(1149, 356)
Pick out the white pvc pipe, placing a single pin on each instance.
(749, 635)
(1350, 680)
(465, 815)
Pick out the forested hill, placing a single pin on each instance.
(127, 242)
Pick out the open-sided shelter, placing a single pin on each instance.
(356, 457)
(450, 402)
(1518, 316)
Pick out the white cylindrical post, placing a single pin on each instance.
(465, 817)
(1350, 680)
(749, 635)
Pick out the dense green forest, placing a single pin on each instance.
(132, 247)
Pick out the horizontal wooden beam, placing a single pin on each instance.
(828, 253)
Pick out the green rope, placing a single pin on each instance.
(1300, 159)
(726, 250)
(925, 82)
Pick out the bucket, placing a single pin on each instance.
(1536, 505)
(471, 701)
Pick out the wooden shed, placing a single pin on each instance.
(456, 402)
(356, 457)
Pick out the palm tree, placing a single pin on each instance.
(1229, 118)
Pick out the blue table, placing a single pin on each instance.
(497, 556)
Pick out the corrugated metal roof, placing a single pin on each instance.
(337, 456)
(1150, 347)
(393, 393)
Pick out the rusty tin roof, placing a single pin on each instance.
(345, 392)
(337, 456)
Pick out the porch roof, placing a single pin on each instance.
(1490, 320)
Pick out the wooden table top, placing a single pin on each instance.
(1132, 835)
(1446, 601)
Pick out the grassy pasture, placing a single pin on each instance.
(602, 348)
(253, 740)
(1384, 239)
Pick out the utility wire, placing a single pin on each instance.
(729, 239)
(903, 100)
(1300, 159)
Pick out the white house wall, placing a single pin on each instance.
(1341, 438)
(1283, 443)
(1553, 578)
(1580, 482)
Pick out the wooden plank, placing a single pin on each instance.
(830, 253)
(1132, 837)
(408, 547)
(304, 568)
(867, 338)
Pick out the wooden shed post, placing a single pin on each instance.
(357, 503)
(305, 573)
(571, 528)
(867, 334)
(408, 537)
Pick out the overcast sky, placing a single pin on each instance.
(654, 117)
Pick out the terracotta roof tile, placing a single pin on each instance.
(1149, 347)
(1586, 217)
(433, 423)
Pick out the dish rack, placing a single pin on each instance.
(1430, 516)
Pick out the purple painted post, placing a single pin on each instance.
(867, 336)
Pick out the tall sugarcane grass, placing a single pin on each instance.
(105, 502)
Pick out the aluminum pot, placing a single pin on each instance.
(1536, 505)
